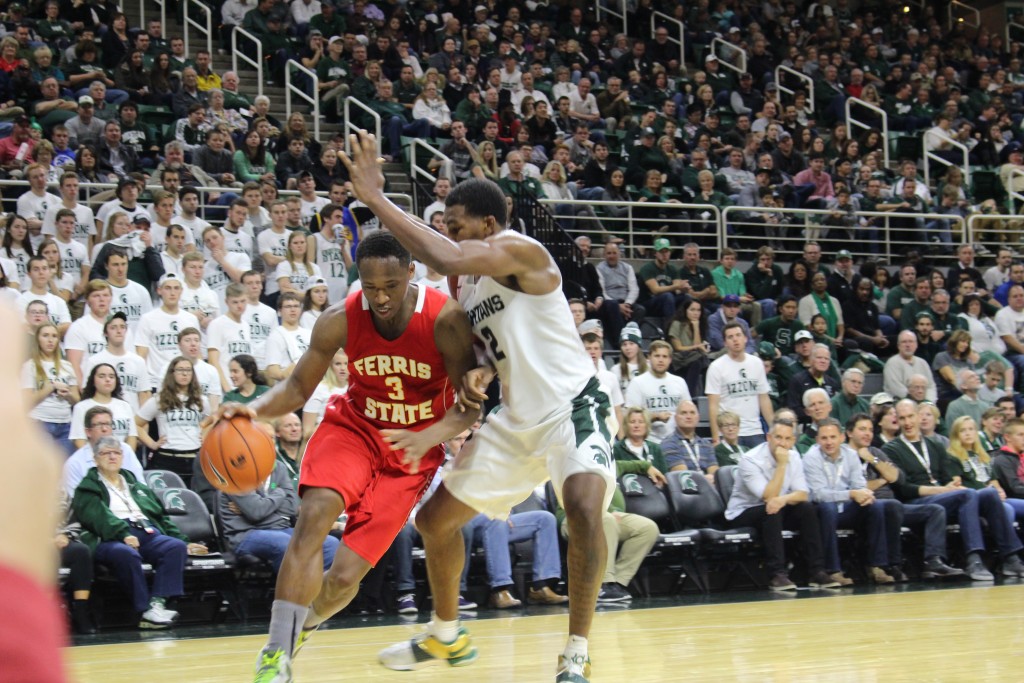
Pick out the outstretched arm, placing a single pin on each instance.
(499, 255)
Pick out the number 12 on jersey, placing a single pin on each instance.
(492, 341)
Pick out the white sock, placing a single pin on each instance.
(576, 646)
(445, 631)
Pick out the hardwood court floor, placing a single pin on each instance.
(973, 634)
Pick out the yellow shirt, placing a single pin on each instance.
(208, 82)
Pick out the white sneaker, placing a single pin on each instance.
(152, 618)
(168, 613)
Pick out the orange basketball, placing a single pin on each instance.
(237, 456)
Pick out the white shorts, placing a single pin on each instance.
(503, 463)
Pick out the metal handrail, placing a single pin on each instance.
(636, 237)
(965, 9)
(803, 77)
(189, 21)
(622, 15)
(289, 87)
(237, 54)
(860, 124)
(974, 231)
(927, 155)
(417, 171)
(1010, 25)
(801, 234)
(729, 50)
(163, 13)
(353, 128)
(681, 41)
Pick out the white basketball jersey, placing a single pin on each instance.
(532, 342)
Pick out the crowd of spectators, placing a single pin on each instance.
(192, 282)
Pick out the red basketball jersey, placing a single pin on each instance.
(401, 383)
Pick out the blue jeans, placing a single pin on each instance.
(751, 441)
(401, 556)
(60, 432)
(396, 127)
(1018, 369)
(496, 534)
(664, 305)
(113, 96)
(271, 545)
(965, 507)
(166, 554)
(767, 308)
(875, 521)
(591, 193)
(927, 519)
(888, 325)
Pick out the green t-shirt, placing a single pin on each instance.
(897, 298)
(663, 277)
(236, 396)
(700, 279)
(779, 333)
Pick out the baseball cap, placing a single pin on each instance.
(734, 29)
(592, 325)
(877, 29)
(472, 42)
(23, 121)
(745, 76)
(802, 335)
(85, 101)
(843, 254)
(766, 350)
(924, 314)
(119, 315)
(649, 131)
(141, 218)
(631, 332)
(661, 244)
(315, 281)
(771, 87)
(316, 32)
(881, 399)
(167, 276)
(123, 183)
(730, 300)
(335, 38)
(763, 170)
(711, 58)
(784, 136)
(480, 8)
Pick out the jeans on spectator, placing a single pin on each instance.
(888, 325)
(767, 308)
(965, 507)
(875, 521)
(751, 441)
(801, 517)
(664, 305)
(1017, 359)
(397, 126)
(60, 432)
(590, 193)
(166, 554)
(940, 232)
(401, 556)
(1014, 509)
(113, 96)
(929, 521)
(612, 319)
(496, 534)
(271, 544)
(219, 211)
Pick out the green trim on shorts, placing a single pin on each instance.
(590, 410)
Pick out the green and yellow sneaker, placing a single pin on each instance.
(575, 670)
(273, 666)
(304, 635)
(425, 650)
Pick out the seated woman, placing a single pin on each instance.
(125, 525)
(636, 447)
(688, 335)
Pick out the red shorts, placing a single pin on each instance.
(348, 455)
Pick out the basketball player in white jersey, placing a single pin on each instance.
(552, 422)
(156, 336)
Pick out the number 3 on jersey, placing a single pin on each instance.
(492, 341)
(397, 390)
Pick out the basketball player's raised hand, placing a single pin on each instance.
(364, 166)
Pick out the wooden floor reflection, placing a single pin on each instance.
(974, 634)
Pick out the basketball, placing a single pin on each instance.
(237, 456)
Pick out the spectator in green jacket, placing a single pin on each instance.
(636, 447)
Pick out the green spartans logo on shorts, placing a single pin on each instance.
(600, 455)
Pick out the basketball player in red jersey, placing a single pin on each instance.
(403, 342)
